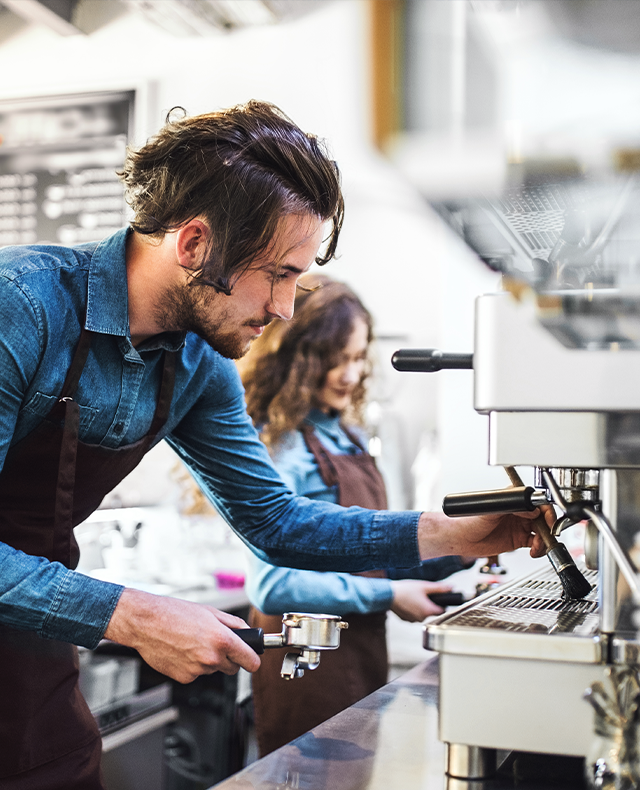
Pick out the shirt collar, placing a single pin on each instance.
(108, 297)
(330, 423)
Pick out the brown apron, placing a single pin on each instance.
(285, 709)
(50, 483)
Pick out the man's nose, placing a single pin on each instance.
(283, 299)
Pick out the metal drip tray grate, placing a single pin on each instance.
(535, 606)
(535, 215)
(509, 618)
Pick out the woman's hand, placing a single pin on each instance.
(411, 599)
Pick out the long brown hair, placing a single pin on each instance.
(287, 366)
(241, 170)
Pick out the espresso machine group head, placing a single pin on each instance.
(556, 367)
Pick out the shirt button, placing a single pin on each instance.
(117, 428)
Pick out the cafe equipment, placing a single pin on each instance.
(556, 365)
(132, 721)
(612, 763)
(309, 633)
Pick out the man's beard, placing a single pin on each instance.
(189, 309)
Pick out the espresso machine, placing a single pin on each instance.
(556, 366)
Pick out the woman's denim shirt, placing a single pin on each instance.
(45, 294)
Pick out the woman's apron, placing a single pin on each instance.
(50, 483)
(285, 709)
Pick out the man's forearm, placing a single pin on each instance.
(439, 535)
(476, 536)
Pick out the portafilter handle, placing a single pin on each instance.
(254, 637)
(310, 633)
(430, 360)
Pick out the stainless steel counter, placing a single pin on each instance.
(390, 740)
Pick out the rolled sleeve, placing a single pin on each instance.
(81, 610)
(53, 601)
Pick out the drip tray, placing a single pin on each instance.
(518, 619)
(514, 665)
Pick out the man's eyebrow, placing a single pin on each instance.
(276, 267)
(294, 269)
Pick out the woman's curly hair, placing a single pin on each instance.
(287, 366)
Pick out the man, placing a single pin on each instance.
(107, 349)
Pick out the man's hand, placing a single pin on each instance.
(180, 639)
(411, 599)
(480, 536)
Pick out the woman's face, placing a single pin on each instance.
(340, 382)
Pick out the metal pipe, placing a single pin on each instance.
(604, 528)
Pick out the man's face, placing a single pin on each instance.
(266, 290)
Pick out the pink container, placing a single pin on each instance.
(227, 580)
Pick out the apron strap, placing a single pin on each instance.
(63, 514)
(353, 438)
(77, 365)
(70, 385)
(163, 405)
(316, 448)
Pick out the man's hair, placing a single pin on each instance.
(288, 365)
(242, 171)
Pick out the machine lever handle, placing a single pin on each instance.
(506, 500)
(429, 360)
(254, 637)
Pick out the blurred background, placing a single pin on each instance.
(422, 102)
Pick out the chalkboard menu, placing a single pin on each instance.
(58, 161)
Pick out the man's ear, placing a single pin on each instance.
(191, 243)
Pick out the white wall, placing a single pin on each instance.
(557, 99)
(417, 279)
(315, 68)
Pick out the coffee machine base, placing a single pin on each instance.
(514, 665)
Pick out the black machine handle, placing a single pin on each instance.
(254, 637)
(447, 598)
(429, 360)
(505, 500)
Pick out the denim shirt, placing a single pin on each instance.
(275, 590)
(46, 293)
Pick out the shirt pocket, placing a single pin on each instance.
(41, 405)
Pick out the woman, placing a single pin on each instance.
(305, 390)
